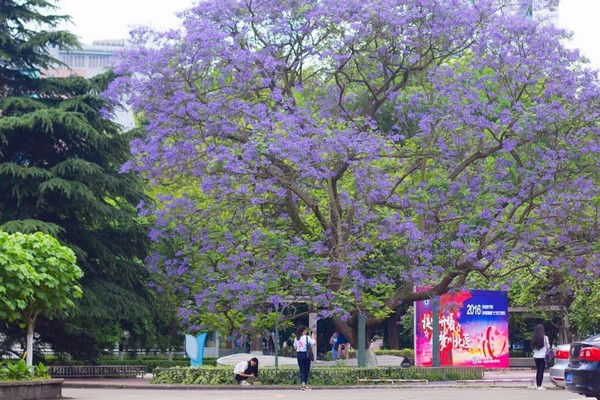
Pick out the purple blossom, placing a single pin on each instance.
(326, 150)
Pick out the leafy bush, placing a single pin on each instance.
(410, 353)
(321, 376)
(19, 371)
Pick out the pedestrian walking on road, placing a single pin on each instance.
(303, 344)
(539, 345)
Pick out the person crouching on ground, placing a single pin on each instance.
(245, 370)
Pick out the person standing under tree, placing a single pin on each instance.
(343, 346)
(245, 370)
(301, 345)
(333, 343)
(539, 345)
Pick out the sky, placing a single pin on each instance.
(112, 19)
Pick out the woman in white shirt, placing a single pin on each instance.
(539, 345)
(301, 345)
(245, 370)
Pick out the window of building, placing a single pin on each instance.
(73, 60)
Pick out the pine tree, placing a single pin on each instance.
(26, 35)
(60, 158)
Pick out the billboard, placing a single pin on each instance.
(473, 329)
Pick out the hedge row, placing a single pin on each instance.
(320, 376)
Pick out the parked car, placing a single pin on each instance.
(561, 361)
(583, 373)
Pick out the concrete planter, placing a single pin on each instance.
(31, 390)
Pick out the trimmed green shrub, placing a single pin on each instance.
(321, 376)
(398, 353)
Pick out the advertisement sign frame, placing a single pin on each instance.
(473, 329)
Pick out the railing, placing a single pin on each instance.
(90, 371)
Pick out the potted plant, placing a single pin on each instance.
(18, 381)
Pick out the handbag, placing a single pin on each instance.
(309, 350)
(549, 356)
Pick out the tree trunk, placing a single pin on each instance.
(392, 330)
(29, 351)
(256, 345)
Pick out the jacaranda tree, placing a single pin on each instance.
(344, 153)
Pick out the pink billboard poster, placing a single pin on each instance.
(473, 329)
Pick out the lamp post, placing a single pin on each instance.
(435, 340)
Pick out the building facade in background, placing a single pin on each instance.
(90, 61)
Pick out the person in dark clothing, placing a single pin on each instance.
(343, 346)
(540, 345)
(303, 340)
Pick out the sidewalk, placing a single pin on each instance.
(492, 378)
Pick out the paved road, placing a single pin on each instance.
(437, 393)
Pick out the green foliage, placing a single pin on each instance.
(59, 174)
(26, 33)
(319, 376)
(19, 371)
(32, 225)
(60, 160)
(37, 275)
(585, 310)
(576, 296)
